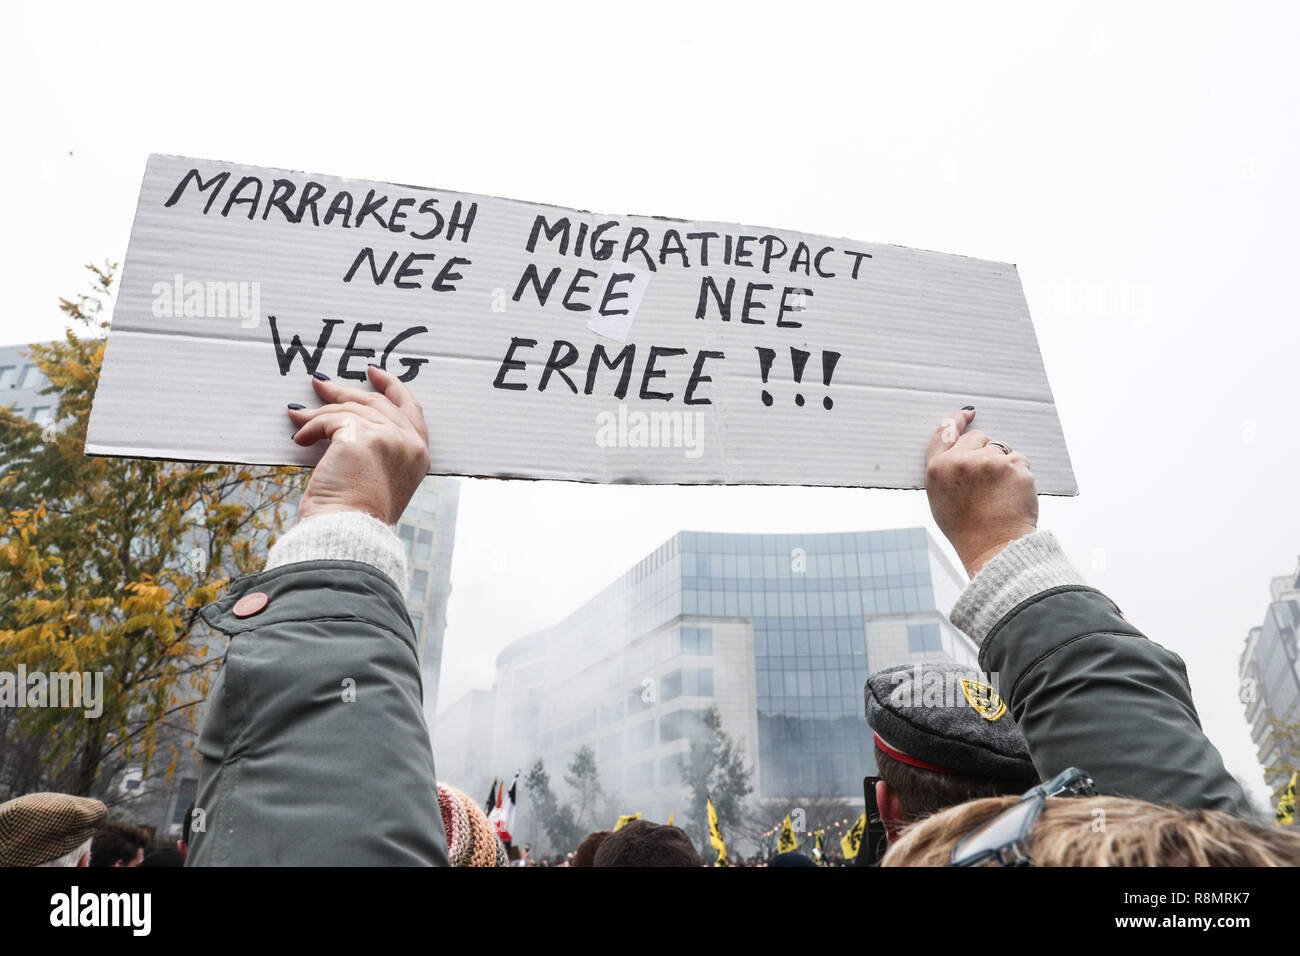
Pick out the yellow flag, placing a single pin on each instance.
(788, 841)
(853, 839)
(625, 819)
(670, 819)
(817, 845)
(1286, 806)
(715, 835)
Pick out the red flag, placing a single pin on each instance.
(503, 817)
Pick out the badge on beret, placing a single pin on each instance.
(983, 698)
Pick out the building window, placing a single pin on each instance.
(697, 681)
(641, 736)
(419, 584)
(428, 504)
(810, 670)
(692, 682)
(407, 534)
(32, 378)
(41, 414)
(696, 640)
(681, 723)
(185, 795)
(924, 637)
(8, 376)
(639, 700)
(611, 747)
(423, 544)
(611, 713)
(417, 622)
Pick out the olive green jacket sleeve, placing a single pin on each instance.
(1086, 687)
(315, 749)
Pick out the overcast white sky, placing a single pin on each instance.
(1137, 161)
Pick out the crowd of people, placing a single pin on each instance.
(1089, 752)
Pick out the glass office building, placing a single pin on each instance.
(428, 530)
(779, 631)
(22, 384)
(809, 598)
(1270, 679)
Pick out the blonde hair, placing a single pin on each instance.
(1107, 831)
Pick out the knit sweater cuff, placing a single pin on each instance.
(343, 536)
(1025, 567)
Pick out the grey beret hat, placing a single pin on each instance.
(945, 716)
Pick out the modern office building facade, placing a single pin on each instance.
(21, 383)
(1269, 669)
(427, 529)
(779, 631)
(461, 738)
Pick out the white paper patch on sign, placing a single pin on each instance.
(628, 285)
(546, 342)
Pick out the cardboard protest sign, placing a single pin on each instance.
(551, 343)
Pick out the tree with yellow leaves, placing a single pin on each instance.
(104, 565)
(1283, 755)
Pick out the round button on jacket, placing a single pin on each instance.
(251, 604)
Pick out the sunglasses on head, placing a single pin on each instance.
(1004, 840)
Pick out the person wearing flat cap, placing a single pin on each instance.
(942, 736)
(48, 829)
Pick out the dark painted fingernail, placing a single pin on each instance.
(296, 407)
(320, 375)
(968, 408)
